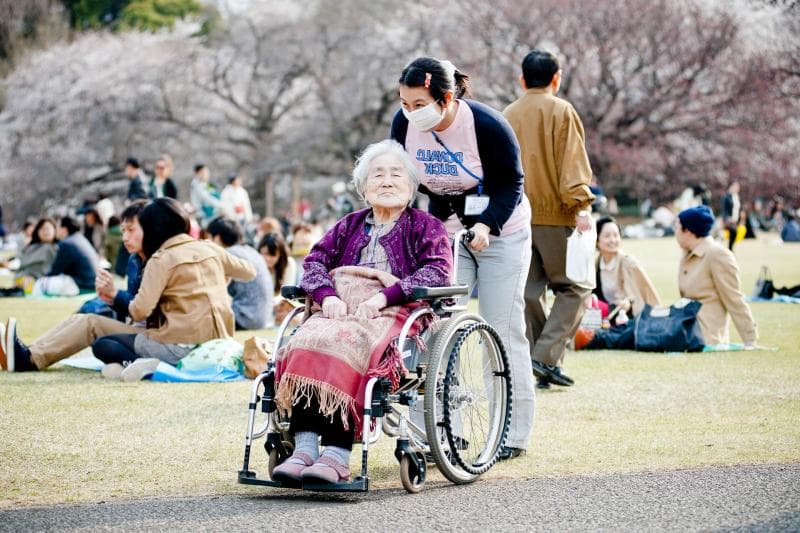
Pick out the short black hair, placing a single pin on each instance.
(602, 221)
(539, 67)
(113, 220)
(69, 224)
(161, 220)
(228, 230)
(198, 167)
(132, 161)
(133, 210)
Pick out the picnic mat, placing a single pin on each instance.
(164, 373)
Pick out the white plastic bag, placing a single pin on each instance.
(580, 258)
(60, 285)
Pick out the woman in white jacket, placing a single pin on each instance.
(236, 202)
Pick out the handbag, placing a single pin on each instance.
(764, 287)
(669, 329)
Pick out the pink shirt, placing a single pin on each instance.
(444, 176)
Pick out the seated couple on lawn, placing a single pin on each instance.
(358, 278)
(180, 302)
(708, 274)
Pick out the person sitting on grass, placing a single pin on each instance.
(37, 257)
(621, 281)
(80, 330)
(282, 266)
(76, 257)
(709, 274)
(252, 300)
(183, 296)
(111, 302)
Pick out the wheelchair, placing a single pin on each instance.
(452, 408)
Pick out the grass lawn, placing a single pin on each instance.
(70, 436)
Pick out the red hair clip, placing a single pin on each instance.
(428, 80)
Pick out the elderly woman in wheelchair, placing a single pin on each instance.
(377, 288)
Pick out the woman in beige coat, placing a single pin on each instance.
(621, 281)
(183, 296)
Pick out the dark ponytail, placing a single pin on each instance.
(437, 77)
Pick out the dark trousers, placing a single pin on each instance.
(548, 334)
(115, 348)
(331, 429)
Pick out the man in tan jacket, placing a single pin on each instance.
(709, 274)
(557, 175)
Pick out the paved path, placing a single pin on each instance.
(742, 498)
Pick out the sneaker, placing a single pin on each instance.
(112, 371)
(553, 373)
(17, 355)
(507, 452)
(139, 369)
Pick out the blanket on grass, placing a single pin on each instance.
(332, 359)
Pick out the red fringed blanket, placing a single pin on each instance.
(334, 359)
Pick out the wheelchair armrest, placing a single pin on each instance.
(437, 293)
(290, 292)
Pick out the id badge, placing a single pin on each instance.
(475, 205)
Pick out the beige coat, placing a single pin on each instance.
(553, 153)
(709, 274)
(185, 282)
(633, 283)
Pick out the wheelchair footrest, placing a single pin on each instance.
(359, 484)
(249, 478)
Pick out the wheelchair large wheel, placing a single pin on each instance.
(467, 398)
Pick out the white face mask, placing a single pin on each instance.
(425, 118)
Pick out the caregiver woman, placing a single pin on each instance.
(469, 165)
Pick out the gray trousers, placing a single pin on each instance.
(549, 334)
(501, 273)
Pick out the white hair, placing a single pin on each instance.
(389, 146)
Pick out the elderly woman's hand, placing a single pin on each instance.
(481, 238)
(371, 308)
(333, 307)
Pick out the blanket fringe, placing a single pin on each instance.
(293, 389)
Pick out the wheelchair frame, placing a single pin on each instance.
(411, 445)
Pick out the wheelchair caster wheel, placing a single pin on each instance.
(278, 456)
(412, 478)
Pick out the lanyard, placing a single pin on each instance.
(459, 163)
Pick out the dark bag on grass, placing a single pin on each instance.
(764, 287)
(669, 329)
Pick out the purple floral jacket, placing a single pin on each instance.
(417, 248)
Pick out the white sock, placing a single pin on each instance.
(341, 455)
(306, 442)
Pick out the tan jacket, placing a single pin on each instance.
(553, 153)
(185, 282)
(710, 275)
(633, 283)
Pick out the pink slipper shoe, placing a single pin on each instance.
(326, 470)
(290, 471)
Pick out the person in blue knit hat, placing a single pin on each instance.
(709, 274)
